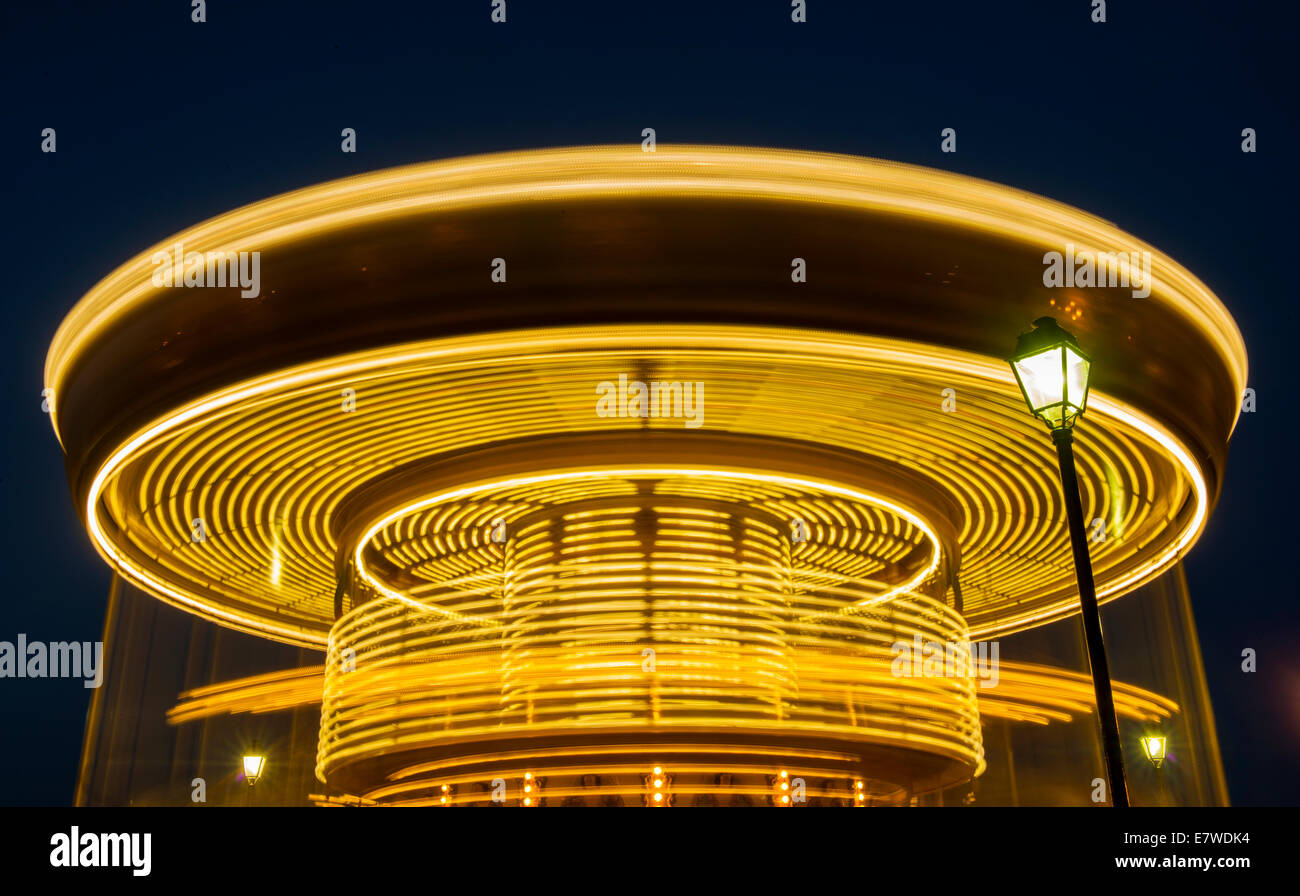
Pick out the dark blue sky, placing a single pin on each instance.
(162, 122)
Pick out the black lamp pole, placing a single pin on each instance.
(1052, 372)
(1064, 440)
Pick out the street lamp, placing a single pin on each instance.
(1155, 746)
(1053, 375)
(253, 764)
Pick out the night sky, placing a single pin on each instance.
(162, 123)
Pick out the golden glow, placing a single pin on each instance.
(1154, 746)
(253, 766)
(593, 172)
(271, 692)
(658, 794)
(646, 610)
(739, 660)
(215, 586)
(1025, 692)
(794, 496)
(1005, 501)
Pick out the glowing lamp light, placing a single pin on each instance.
(1155, 746)
(657, 785)
(254, 763)
(1052, 373)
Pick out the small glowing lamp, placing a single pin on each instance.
(1155, 746)
(1052, 373)
(254, 763)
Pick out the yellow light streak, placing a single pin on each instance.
(592, 172)
(1018, 480)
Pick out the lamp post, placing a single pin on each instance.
(1053, 377)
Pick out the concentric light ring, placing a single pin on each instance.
(1119, 449)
